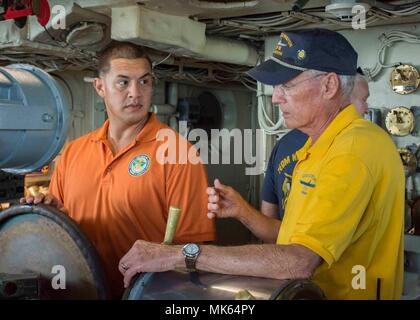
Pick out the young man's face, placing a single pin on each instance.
(126, 89)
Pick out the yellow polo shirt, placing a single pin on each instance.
(347, 205)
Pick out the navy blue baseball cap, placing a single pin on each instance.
(312, 49)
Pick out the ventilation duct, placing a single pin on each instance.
(179, 35)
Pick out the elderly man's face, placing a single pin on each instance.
(126, 89)
(359, 96)
(299, 100)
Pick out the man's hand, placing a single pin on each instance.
(225, 202)
(148, 257)
(45, 199)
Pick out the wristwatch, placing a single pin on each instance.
(191, 251)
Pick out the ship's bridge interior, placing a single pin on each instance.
(201, 51)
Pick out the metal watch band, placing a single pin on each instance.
(190, 263)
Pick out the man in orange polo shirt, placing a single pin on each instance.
(114, 181)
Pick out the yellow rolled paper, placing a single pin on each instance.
(173, 217)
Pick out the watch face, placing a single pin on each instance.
(191, 249)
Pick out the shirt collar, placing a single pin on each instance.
(146, 134)
(340, 122)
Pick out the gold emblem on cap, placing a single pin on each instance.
(301, 54)
(286, 37)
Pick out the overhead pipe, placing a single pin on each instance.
(179, 35)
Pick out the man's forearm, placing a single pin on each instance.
(263, 227)
(268, 261)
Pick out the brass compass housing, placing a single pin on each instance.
(400, 121)
(409, 161)
(404, 79)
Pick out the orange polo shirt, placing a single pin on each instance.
(119, 199)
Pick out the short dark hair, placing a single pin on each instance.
(116, 50)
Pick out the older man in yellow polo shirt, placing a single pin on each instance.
(343, 223)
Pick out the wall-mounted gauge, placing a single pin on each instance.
(374, 115)
(399, 121)
(404, 79)
(409, 161)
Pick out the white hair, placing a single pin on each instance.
(346, 82)
(347, 85)
(358, 77)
